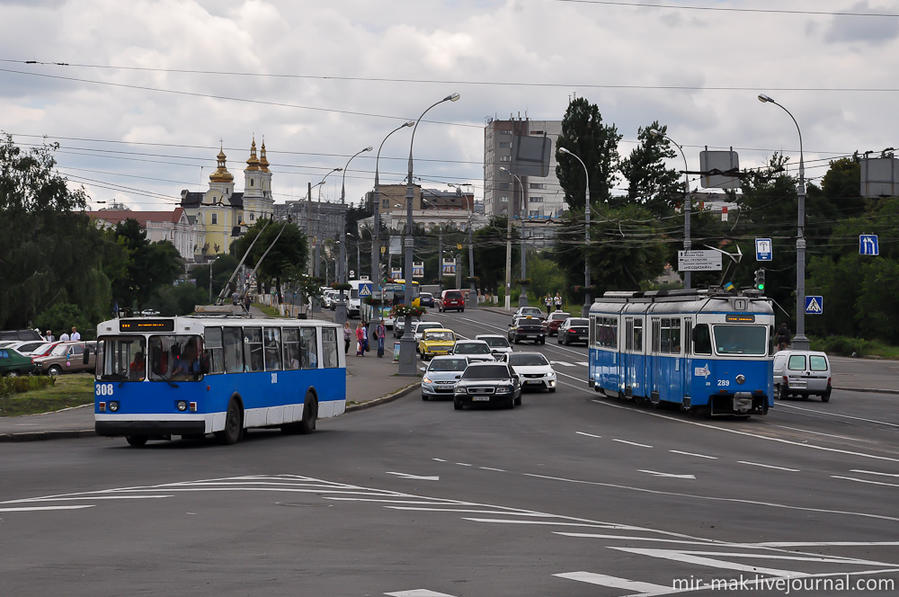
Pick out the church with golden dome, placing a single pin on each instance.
(223, 214)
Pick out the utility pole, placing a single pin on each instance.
(440, 262)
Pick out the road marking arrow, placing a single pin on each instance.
(672, 475)
(415, 477)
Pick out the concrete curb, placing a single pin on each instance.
(871, 390)
(384, 399)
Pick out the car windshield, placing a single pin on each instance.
(740, 339)
(42, 348)
(578, 321)
(495, 341)
(122, 358)
(560, 316)
(531, 311)
(488, 372)
(439, 336)
(60, 350)
(527, 360)
(448, 365)
(426, 326)
(472, 348)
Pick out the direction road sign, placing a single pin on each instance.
(764, 249)
(814, 305)
(365, 289)
(867, 244)
(698, 261)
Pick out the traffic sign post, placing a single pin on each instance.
(764, 249)
(867, 245)
(814, 305)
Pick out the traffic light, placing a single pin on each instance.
(760, 279)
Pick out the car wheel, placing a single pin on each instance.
(54, 370)
(552, 390)
(510, 403)
(424, 396)
(542, 340)
(782, 393)
(825, 397)
(136, 441)
(518, 400)
(457, 404)
(462, 310)
(233, 424)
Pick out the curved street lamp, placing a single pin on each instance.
(340, 310)
(407, 342)
(688, 281)
(800, 341)
(523, 297)
(317, 251)
(587, 299)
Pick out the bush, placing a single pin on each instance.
(24, 383)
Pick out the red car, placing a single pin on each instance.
(552, 323)
(452, 299)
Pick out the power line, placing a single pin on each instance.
(819, 13)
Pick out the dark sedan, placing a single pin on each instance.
(527, 328)
(426, 299)
(574, 329)
(487, 383)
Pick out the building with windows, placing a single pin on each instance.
(172, 226)
(430, 208)
(224, 214)
(537, 197)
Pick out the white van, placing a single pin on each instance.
(802, 373)
(353, 302)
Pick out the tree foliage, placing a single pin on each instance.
(288, 252)
(649, 181)
(150, 266)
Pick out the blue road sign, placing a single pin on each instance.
(365, 289)
(764, 249)
(814, 305)
(867, 244)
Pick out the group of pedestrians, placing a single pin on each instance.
(64, 337)
(379, 333)
(550, 302)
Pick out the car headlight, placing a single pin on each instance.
(426, 379)
(503, 389)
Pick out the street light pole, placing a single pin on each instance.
(407, 342)
(688, 281)
(318, 241)
(587, 300)
(523, 297)
(340, 311)
(800, 341)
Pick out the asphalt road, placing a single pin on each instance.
(570, 494)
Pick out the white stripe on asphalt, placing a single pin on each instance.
(829, 414)
(780, 468)
(864, 481)
(418, 593)
(587, 434)
(44, 508)
(679, 556)
(624, 441)
(693, 454)
(815, 432)
(616, 582)
(563, 363)
(855, 470)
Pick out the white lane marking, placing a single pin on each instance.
(490, 468)
(779, 468)
(587, 434)
(829, 414)
(672, 475)
(616, 582)
(582, 363)
(418, 593)
(493, 512)
(44, 508)
(823, 543)
(550, 523)
(438, 459)
(630, 538)
(624, 441)
(815, 432)
(693, 454)
(869, 482)
(464, 464)
(855, 470)
(713, 498)
(415, 477)
(88, 497)
(563, 363)
(794, 557)
(687, 558)
(385, 501)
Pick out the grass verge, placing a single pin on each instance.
(73, 389)
(858, 347)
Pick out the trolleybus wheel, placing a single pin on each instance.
(233, 423)
(310, 414)
(136, 441)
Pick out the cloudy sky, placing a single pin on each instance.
(150, 88)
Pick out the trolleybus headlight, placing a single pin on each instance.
(741, 378)
(181, 405)
(113, 406)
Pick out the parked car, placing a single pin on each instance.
(440, 377)
(26, 348)
(499, 345)
(13, 363)
(475, 350)
(419, 327)
(552, 323)
(802, 373)
(20, 335)
(426, 299)
(527, 312)
(436, 341)
(67, 357)
(43, 350)
(149, 313)
(574, 329)
(527, 328)
(487, 383)
(451, 300)
(534, 370)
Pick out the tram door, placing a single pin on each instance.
(686, 366)
(633, 361)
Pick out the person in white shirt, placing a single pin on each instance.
(64, 337)
(75, 335)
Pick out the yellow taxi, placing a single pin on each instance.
(436, 341)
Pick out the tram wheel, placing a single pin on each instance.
(136, 441)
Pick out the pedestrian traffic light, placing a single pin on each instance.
(760, 279)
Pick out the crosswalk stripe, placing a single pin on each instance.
(583, 363)
(418, 593)
(563, 363)
(616, 582)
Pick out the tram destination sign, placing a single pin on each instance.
(698, 261)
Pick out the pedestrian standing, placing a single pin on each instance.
(548, 303)
(64, 337)
(783, 336)
(49, 337)
(360, 340)
(75, 335)
(558, 301)
(346, 337)
(380, 334)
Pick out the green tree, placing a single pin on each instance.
(585, 135)
(289, 251)
(150, 266)
(490, 253)
(649, 181)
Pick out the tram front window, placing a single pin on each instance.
(740, 339)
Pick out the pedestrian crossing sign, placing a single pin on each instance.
(814, 305)
(364, 290)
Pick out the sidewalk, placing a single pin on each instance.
(370, 381)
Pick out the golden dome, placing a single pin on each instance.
(263, 162)
(253, 162)
(221, 173)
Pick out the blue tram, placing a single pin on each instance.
(700, 349)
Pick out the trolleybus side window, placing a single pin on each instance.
(308, 348)
(215, 355)
(329, 348)
(252, 350)
(233, 349)
(272, 341)
(702, 340)
(291, 348)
